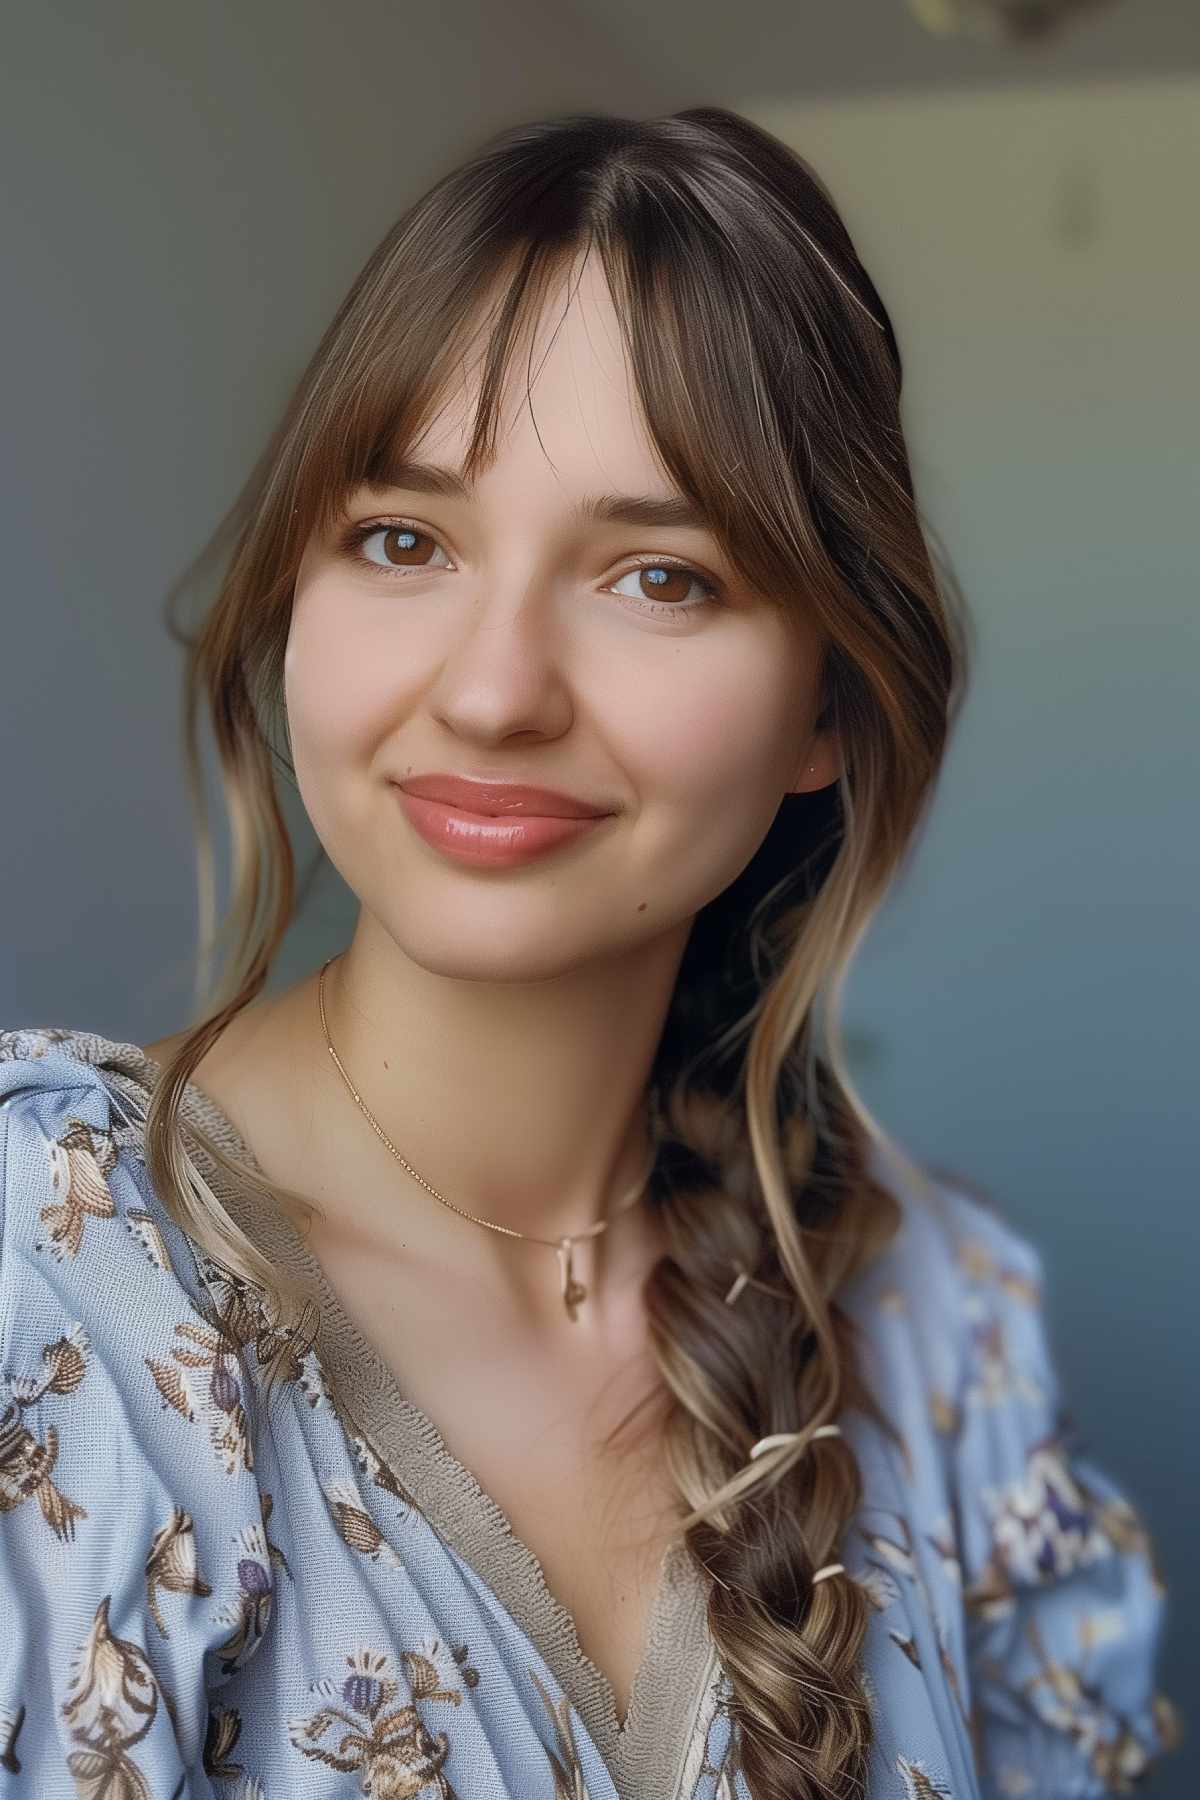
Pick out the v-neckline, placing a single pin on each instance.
(646, 1751)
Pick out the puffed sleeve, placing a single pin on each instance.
(134, 1574)
(1064, 1604)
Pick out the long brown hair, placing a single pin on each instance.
(770, 379)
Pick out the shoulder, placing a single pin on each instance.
(64, 1131)
(59, 1145)
(88, 1251)
(948, 1232)
(134, 1526)
(955, 1335)
(953, 1267)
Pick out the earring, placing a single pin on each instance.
(812, 769)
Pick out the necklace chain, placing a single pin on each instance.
(573, 1291)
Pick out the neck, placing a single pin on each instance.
(523, 1103)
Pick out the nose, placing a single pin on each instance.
(508, 668)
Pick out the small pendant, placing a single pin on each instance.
(573, 1292)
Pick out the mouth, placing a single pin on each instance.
(492, 840)
(495, 799)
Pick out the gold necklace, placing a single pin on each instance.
(573, 1292)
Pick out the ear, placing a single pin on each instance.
(821, 764)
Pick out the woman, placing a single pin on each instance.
(510, 1360)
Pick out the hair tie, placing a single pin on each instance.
(739, 1284)
(791, 1437)
(745, 1279)
(829, 1569)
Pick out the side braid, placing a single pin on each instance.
(753, 1368)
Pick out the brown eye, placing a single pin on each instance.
(394, 548)
(403, 545)
(661, 581)
(663, 588)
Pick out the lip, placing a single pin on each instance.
(489, 840)
(495, 799)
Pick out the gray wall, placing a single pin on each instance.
(197, 187)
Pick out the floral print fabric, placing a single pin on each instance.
(201, 1596)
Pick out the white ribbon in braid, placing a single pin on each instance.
(776, 1441)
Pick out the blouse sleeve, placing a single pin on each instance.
(1064, 1604)
(134, 1571)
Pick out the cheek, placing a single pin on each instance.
(725, 735)
(715, 757)
(338, 690)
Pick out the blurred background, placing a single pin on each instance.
(191, 190)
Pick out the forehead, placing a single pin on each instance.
(569, 404)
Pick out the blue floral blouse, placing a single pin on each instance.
(204, 1596)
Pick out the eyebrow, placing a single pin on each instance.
(668, 510)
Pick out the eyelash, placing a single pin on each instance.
(350, 545)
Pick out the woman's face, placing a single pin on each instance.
(512, 636)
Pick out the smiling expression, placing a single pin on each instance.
(569, 623)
